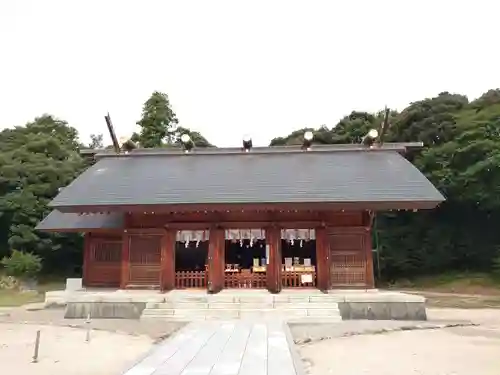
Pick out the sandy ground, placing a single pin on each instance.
(155, 329)
(447, 351)
(115, 344)
(63, 350)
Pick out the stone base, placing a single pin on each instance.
(382, 306)
(104, 310)
(290, 304)
(382, 310)
(107, 305)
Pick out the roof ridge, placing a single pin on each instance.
(398, 147)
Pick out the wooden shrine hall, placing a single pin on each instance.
(215, 218)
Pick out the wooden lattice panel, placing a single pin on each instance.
(293, 279)
(104, 263)
(245, 279)
(348, 263)
(190, 279)
(145, 260)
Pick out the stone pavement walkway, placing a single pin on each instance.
(222, 348)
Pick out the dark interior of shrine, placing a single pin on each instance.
(243, 252)
(193, 257)
(299, 249)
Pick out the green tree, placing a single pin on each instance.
(35, 161)
(198, 139)
(351, 129)
(158, 122)
(96, 141)
(461, 156)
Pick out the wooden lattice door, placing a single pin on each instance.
(104, 262)
(145, 260)
(348, 262)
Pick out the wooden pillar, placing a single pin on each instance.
(87, 243)
(167, 273)
(216, 249)
(370, 279)
(125, 264)
(368, 217)
(273, 255)
(322, 259)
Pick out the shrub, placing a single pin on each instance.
(22, 265)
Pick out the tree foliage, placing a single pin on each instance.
(461, 156)
(35, 161)
(158, 122)
(96, 141)
(38, 159)
(159, 125)
(198, 139)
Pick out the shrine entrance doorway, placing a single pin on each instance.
(245, 258)
(191, 259)
(298, 256)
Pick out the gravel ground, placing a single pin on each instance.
(349, 347)
(64, 351)
(154, 329)
(435, 352)
(307, 333)
(458, 351)
(115, 344)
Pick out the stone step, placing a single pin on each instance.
(265, 299)
(323, 312)
(165, 312)
(241, 305)
(238, 313)
(306, 299)
(307, 305)
(172, 318)
(177, 305)
(315, 319)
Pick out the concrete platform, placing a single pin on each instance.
(291, 305)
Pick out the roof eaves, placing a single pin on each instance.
(75, 222)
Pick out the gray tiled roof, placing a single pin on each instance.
(57, 220)
(300, 177)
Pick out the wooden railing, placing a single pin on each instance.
(245, 280)
(293, 279)
(190, 279)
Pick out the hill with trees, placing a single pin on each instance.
(461, 157)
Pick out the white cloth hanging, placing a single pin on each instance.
(298, 234)
(193, 235)
(245, 234)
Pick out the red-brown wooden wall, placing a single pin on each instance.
(143, 255)
(102, 260)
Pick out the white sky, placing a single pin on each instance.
(235, 67)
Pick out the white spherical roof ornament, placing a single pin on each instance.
(307, 141)
(185, 138)
(373, 133)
